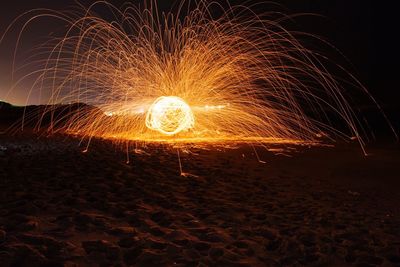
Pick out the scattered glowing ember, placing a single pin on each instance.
(192, 77)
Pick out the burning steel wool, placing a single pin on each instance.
(169, 115)
(190, 76)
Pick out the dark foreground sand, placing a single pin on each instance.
(318, 206)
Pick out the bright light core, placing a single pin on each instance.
(169, 115)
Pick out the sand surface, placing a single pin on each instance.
(318, 206)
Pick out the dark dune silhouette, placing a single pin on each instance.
(40, 116)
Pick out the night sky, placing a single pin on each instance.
(360, 29)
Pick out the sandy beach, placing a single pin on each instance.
(315, 206)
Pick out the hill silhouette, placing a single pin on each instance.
(40, 115)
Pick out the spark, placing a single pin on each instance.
(190, 77)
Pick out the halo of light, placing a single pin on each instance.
(169, 115)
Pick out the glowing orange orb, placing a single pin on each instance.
(169, 115)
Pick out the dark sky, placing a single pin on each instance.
(361, 29)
